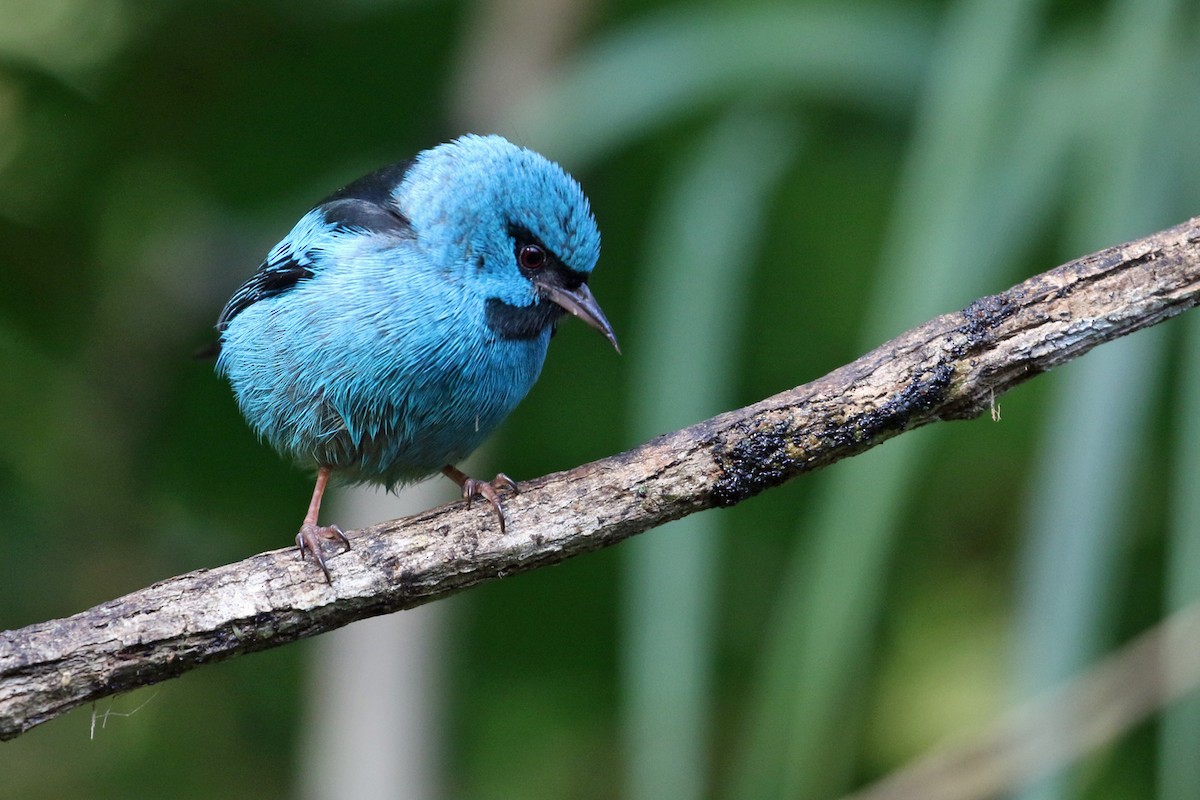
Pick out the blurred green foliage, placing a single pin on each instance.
(868, 164)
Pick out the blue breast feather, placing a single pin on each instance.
(329, 373)
(368, 341)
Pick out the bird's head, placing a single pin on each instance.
(510, 224)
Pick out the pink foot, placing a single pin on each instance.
(488, 490)
(310, 538)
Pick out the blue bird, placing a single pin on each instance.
(407, 314)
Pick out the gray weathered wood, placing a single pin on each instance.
(952, 367)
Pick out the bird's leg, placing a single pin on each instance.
(490, 491)
(310, 535)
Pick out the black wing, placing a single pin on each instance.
(271, 279)
(375, 187)
(364, 205)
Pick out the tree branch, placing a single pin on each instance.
(952, 367)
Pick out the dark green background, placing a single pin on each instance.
(866, 166)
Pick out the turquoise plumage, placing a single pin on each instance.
(405, 316)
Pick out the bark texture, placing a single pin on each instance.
(952, 367)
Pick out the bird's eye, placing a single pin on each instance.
(531, 257)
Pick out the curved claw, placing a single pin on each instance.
(309, 540)
(488, 490)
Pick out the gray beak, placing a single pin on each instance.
(582, 304)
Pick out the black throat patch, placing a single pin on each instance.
(521, 322)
